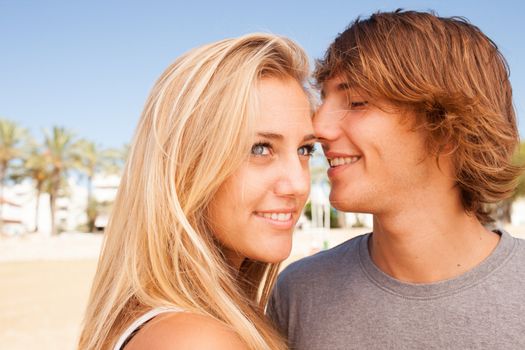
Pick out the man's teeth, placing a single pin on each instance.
(276, 216)
(343, 160)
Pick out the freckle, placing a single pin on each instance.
(459, 265)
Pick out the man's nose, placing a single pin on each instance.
(326, 122)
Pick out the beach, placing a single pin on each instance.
(46, 283)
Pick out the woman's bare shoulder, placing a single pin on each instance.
(183, 331)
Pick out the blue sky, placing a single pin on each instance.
(89, 65)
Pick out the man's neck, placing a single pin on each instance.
(414, 246)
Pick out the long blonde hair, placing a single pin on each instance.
(195, 131)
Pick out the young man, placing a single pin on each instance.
(418, 126)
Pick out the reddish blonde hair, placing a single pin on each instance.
(455, 80)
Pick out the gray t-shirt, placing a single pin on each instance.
(338, 299)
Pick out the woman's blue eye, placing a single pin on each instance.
(306, 150)
(260, 149)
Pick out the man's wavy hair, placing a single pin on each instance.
(455, 80)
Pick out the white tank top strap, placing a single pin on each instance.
(141, 320)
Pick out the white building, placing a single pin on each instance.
(517, 216)
(105, 191)
(19, 205)
(20, 209)
(12, 215)
(320, 206)
(359, 220)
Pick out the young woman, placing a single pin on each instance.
(215, 182)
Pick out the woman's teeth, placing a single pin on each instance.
(343, 160)
(276, 216)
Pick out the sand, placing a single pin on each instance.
(45, 283)
(42, 302)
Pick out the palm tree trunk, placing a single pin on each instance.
(52, 201)
(55, 183)
(37, 206)
(2, 199)
(91, 221)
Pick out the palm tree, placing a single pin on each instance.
(11, 136)
(90, 160)
(115, 159)
(60, 152)
(37, 167)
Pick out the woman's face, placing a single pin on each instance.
(255, 210)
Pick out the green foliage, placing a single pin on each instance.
(12, 137)
(48, 163)
(92, 213)
(358, 223)
(59, 149)
(334, 215)
(86, 156)
(36, 164)
(519, 159)
(334, 218)
(308, 210)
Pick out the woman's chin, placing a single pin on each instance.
(276, 254)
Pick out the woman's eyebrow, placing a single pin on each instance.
(271, 135)
(274, 136)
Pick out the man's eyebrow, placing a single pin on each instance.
(343, 87)
(338, 87)
(309, 137)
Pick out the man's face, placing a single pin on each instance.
(378, 161)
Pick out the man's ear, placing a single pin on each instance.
(447, 149)
(444, 158)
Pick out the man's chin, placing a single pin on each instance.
(342, 205)
(339, 201)
(347, 205)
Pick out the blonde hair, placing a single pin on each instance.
(454, 78)
(195, 131)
